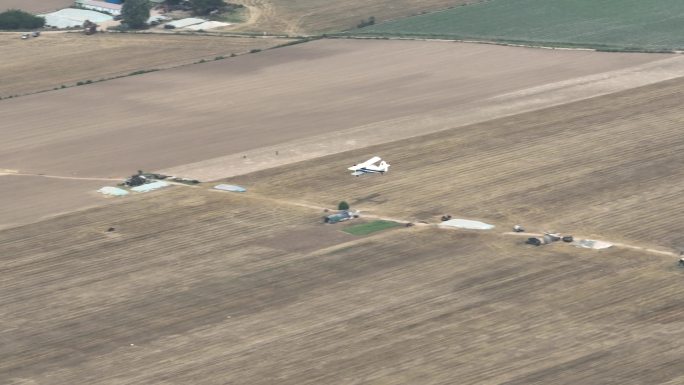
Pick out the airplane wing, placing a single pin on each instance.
(367, 163)
(371, 161)
(357, 173)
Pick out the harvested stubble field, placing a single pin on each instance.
(207, 287)
(35, 6)
(612, 24)
(302, 17)
(56, 59)
(313, 91)
(608, 167)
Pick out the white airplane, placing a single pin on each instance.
(370, 166)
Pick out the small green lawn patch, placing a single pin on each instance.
(370, 227)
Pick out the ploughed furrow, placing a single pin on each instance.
(198, 286)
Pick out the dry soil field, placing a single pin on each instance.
(207, 287)
(302, 17)
(56, 59)
(35, 6)
(606, 167)
(306, 100)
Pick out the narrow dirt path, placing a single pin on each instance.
(4, 172)
(366, 214)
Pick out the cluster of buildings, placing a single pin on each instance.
(96, 11)
(104, 11)
(112, 7)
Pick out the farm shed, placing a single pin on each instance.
(70, 17)
(343, 215)
(101, 6)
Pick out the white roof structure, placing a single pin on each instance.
(102, 5)
(207, 25)
(230, 187)
(115, 191)
(467, 224)
(182, 23)
(150, 186)
(71, 17)
(593, 244)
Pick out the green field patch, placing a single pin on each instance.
(607, 24)
(370, 227)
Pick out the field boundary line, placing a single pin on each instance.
(16, 173)
(541, 45)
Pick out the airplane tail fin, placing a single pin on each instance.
(384, 166)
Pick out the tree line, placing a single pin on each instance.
(16, 19)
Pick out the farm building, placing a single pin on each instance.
(343, 215)
(112, 7)
(70, 17)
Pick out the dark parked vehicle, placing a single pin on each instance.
(533, 241)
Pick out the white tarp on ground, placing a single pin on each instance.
(71, 17)
(182, 23)
(592, 244)
(150, 186)
(467, 224)
(230, 187)
(115, 191)
(207, 25)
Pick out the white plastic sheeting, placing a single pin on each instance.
(71, 17)
(207, 25)
(150, 186)
(467, 224)
(114, 191)
(592, 244)
(230, 187)
(182, 23)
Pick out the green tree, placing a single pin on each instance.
(343, 206)
(135, 13)
(16, 19)
(203, 7)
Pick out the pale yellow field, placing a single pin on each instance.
(608, 167)
(203, 287)
(198, 286)
(304, 101)
(305, 17)
(56, 59)
(35, 6)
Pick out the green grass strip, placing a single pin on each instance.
(370, 227)
(621, 25)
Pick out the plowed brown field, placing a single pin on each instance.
(206, 287)
(56, 59)
(608, 167)
(306, 100)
